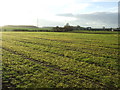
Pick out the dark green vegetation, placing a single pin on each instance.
(52, 59)
(66, 28)
(95, 32)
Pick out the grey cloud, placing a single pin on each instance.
(98, 19)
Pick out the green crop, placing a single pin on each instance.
(60, 60)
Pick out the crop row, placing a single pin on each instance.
(81, 68)
(79, 56)
(107, 52)
(72, 39)
(100, 39)
(23, 73)
(58, 60)
(68, 51)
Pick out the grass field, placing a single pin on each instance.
(62, 60)
(25, 29)
(95, 32)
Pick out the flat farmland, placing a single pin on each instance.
(59, 60)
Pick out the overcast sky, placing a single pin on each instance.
(95, 13)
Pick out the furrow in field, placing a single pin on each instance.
(84, 49)
(77, 56)
(91, 45)
(101, 76)
(98, 40)
(84, 44)
(42, 62)
(77, 68)
(16, 68)
(57, 68)
(79, 82)
(60, 52)
(94, 51)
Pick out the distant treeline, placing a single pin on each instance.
(66, 28)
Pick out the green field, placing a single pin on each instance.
(95, 32)
(62, 60)
(25, 29)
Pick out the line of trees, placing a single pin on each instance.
(66, 28)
